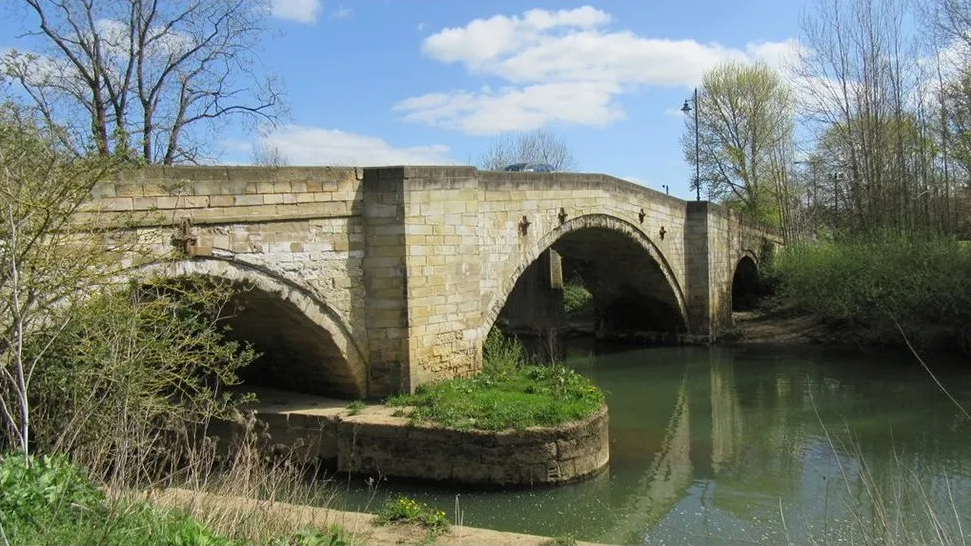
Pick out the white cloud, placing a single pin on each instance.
(341, 13)
(563, 66)
(486, 112)
(302, 145)
(300, 11)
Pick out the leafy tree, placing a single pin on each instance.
(745, 124)
(142, 78)
(537, 146)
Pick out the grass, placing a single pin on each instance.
(509, 393)
(50, 500)
(355, 407)
(402, 509)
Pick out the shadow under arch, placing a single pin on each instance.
(746, 286)
(306, 346)
(601, 222)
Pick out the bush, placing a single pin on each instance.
(868, 286)
(577, 300)
(132, 373)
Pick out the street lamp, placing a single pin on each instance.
(686, 108)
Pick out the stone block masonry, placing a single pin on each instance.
(400, 272)
(376, 443)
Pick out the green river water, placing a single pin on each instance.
(749, 445)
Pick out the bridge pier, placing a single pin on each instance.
(535, 306)
(712, 242)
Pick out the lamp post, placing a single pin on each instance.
(686, 108)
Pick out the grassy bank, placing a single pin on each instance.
(865, 288)
(49, 500)
(509, 393)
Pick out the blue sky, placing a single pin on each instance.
(424, 81)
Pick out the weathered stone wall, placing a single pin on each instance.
(415, 263)
(729, 238)
(378, 444)
(535, 456)
(441, 212)
(505, 198)
(301, 227)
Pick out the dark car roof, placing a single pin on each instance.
(530, 166)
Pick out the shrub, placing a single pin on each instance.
(501, 354)
(133, 372)
(871, 285)
(577, 300)
(355, 407)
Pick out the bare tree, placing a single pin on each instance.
(146, 79)
(269, 156)
(539, 146)
(878, 133)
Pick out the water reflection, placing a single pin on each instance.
(729, 446)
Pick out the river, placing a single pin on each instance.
(748, 445)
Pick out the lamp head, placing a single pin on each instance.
(685, 108)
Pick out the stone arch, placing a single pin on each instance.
(587, 221)
(344, 370)
(745, 288)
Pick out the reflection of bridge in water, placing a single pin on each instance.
(704, 439)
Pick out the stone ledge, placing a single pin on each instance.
(536, 456)
(375, 442)
(363, 526)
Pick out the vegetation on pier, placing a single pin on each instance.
(508, 393)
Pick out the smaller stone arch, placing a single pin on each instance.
(299, 307)
(602, 221)
(745, 282)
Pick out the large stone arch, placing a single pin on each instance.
(296, 306)
(587, 221)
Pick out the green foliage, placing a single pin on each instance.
(501, 354)
(577, 300)
(507, 394)
(745, 124)
(401, 509)
(135, 368)
(34, 489)
(355, 407)
(866, 285)
(48, 500)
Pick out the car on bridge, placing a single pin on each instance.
(530, 167)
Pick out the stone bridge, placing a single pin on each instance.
(367, 281)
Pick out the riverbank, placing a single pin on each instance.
(363, 528)
(775, 327)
